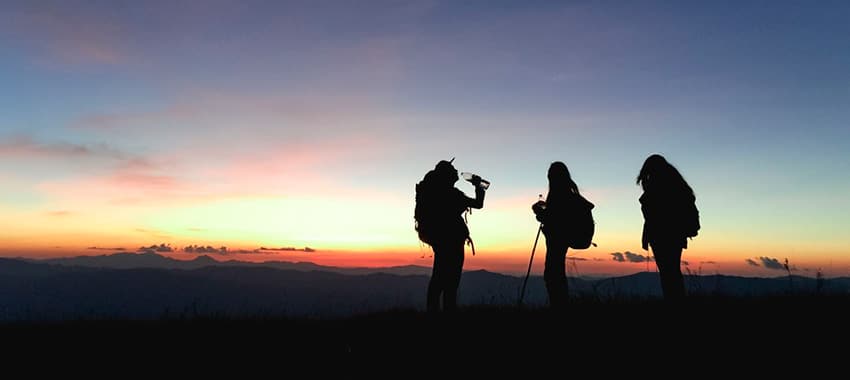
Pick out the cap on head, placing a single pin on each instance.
(446, 172)
(445, 166)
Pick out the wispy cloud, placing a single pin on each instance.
(162, 248)
(768, 263)
(281, 160)
(94, 33)
(252, 111)
(112, 177)
(201, 249)
(288, 249)
(24, 146)
(205, 249)
(68, 35)
(92, 168)
(630, 257)
(771, 263)
(635, 258)
(59, 213)
(117, 249)
(198, 108)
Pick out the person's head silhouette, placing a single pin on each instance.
(558, 172)
(559, 177)
(657, 174)
(655, 165)
(445, 172)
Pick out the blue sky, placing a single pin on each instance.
(185, 106)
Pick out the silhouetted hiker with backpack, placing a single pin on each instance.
(439, 222)
(566, 222)
(670, 218)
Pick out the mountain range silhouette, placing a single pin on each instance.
(151, 286)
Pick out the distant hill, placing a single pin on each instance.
(49, 291)
(38, 291)
(128, 260)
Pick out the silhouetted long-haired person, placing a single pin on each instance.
(556, 214)
(670, 217)
(439, 215)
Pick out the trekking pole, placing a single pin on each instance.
(522, 293)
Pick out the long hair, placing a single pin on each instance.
(560, 179)
(657, 174)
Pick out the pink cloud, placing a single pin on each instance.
(276, 148)
(297, 168)
(98, 173)
(123, 168)
(145, 181)
(130, 180)
(284, 169)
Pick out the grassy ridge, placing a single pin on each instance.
(589, 327)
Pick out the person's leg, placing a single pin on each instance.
(668, 258)
(554, 273)
(453, 271)
(436, 284)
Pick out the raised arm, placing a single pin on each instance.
(478, 202)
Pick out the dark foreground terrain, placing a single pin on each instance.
(702, 328)
(278, 322)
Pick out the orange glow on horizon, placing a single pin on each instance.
(383, 236)
(580, 263)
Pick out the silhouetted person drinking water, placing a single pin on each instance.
(557, 217)
(439, 222)
(670, 218)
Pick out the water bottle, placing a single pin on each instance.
(468, 176)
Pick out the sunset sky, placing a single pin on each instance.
(253, 124)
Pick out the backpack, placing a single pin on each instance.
(690, 220)
(423, 211)
(581, 224)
